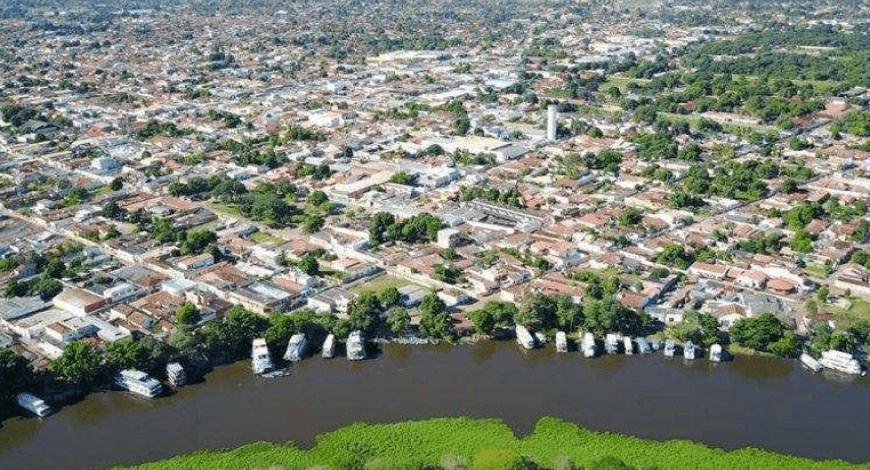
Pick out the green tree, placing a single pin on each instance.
(398, 319)
(116, 184)
(761, 332)
(389, 297)
(500, 459)
(434, 320)
(79, 364)
(187, 314)
(309, 265)
(126, 354)
(312, 223)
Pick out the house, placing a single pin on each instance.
(332, 300)
(709, 271)
(752, 279)
(411, 295)
(78, 301)
(194, 262)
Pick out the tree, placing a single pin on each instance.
(537, 311)
(317, 198)
(609, 315)
(15, 373)
(389, 297)
(309, 265)
(761, 332)
(79, 364)
(111, 210)
(398, 319)
(823, 293)
(700, 328)
(363, 312)
(312, 223)
(116, 184)
(434, 321)
(379, 225)
(187, 314)
(126, 354)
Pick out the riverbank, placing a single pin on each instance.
(460, 442)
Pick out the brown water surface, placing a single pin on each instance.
(752, 401)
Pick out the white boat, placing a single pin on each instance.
(261, 360)
(539, 338)
(561, 342)
(295, 348)
(716, 353)
(329, 346)
(33, 404)
(655, 344)
(690, 351)
(643, 346)
(670, 349)
(587, 345)
(811, 363)
(840, 361)
(355, 346)
(524, 338)
(138, 382)
(629, 345)
(176, 374)
(611, 343)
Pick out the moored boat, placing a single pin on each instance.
(33, 404)
(176, 374)
(670, 349)
(524, 338)
(261, 359)
(138, 382)
(561, 342)
(841, 362)
(329, 346)
(295, 348)
(355, 346)
(587, 345)
(811, 363)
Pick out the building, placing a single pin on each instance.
(78, 301)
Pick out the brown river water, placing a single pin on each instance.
(751, 401)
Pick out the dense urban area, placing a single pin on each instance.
(179, 180)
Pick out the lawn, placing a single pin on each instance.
(380, 283)
(264, 237)
(859, 310)
(226, 209)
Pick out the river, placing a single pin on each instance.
(758, 401)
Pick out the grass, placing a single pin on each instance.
(415, 444)
(264, 237)
(817, 270)
(226, 209)
(380, 283)
(859, 310)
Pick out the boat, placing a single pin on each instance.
(355, 346)
(629, 345)
(539, 338)
(561, 342)
(717, 354)
(690, 351)
(261, 360)
(524, 338)
(655, 343)
(33, 404)
(329, 346)
(139, 382)
(611, 343)
(841, 362)
(588, 346)
(670, 348)
(295, 348)
(176, 374)
(643, 346)
(811, 363)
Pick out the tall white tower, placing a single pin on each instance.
(552, 125)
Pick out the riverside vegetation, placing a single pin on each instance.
(486, 444)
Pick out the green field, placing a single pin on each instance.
(265, 237)
(380, 283)
(463, 442)
(859, 310)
